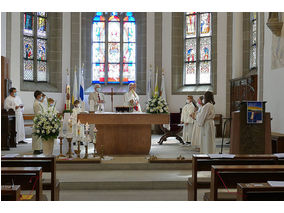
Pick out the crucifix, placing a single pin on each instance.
(111, 98)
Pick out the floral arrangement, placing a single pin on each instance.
(47, 124)
(157, 105)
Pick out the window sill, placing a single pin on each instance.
(193, 90)
(42, 86)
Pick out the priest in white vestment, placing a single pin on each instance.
(97, 99)
(38, 108)
(196, 134)
(14, 102)
(187, 120)
(131, 98)
(205, 120)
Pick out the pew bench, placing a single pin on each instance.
(231, 175)
(28, 178)
(10, 193)
(259, 192)
(202, 162)
(48, 164)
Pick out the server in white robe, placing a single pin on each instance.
(196, 135)
(38, 108)
(14, 102)
(97, 99)
(187, 120)
(205, 120)
(131, 99)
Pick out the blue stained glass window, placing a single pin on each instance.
(114, 53)
(99, 48)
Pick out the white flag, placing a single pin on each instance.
(75, 87)
(149, 87)
(163, 86)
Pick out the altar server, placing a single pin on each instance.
(205, 120)
(98, 99)
(187, 120)
(38, 108)
(131, 98)
(196, 136)
(14, 102)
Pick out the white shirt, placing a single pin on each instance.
(187, 110)
(11, 103)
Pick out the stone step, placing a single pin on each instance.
(123, 166)
(122, 179)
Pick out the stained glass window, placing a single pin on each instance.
(114, 48)
(253, 44)
(35, 46)
(98, 51)
(197, 53)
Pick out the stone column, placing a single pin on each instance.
(237, 46)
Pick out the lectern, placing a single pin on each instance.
(251, 129)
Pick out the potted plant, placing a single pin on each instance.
(46, 126)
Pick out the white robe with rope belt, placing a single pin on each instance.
(11, 103)
(205, 120)
(187, 110)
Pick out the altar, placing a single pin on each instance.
(123, 133)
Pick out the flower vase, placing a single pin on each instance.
(47, 146)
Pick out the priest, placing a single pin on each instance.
(97, 99)
(14, 102)
(131, 98)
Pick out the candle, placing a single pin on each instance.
(87, 126)
(61, 128)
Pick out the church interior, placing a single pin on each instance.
(142, 106)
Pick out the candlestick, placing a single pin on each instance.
(86, 152)
(61, 154)
(69, 153)
(78, 150)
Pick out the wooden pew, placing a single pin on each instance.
(48, 164)
(259, 192)
(25, 177)
(233, 174)
(202, 162)
(10, 193)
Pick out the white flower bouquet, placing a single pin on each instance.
(47, 124)
(157, 105)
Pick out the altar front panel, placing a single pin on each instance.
(124, 133)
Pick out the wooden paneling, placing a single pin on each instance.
(242, 89)
(124, 118)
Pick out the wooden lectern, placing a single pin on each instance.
(250, 138)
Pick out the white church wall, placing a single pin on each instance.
(273, 78)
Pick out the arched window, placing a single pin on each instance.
(253, 39)
(197, 49)
(35, 47)
(114, 48)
